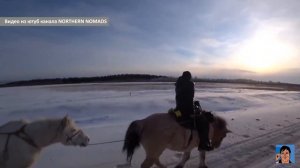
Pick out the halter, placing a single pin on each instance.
(70, 138)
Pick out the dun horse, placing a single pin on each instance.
(21, 142)
(160, 131)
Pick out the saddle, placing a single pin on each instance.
(15, 128)
(189, 122)
(12, 126)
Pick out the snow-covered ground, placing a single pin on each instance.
(105, 110)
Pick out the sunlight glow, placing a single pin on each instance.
(265, 52)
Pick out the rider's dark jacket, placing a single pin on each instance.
(185, 94)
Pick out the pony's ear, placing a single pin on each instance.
(65, 121)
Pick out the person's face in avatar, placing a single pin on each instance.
(285, 156)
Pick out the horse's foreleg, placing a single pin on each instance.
(185, 157)
(202, 159)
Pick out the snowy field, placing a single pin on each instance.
(105, 110)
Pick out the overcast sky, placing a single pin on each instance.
(212, 38)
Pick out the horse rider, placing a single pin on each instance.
(185, 104)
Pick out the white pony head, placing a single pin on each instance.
(71, 135)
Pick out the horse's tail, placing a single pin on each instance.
(132, 139)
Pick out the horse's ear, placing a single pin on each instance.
(65, 121)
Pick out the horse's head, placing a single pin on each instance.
(219, 131)
(71, 135)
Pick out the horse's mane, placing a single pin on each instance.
(221, 122)
(48, 123)
(47, 120)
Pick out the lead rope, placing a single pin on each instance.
(108, 142)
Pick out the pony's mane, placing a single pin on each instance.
(51, 120)
(221, 122)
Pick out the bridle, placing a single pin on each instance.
(70, 138)
(61, 127)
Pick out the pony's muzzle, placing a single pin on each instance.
(85, 143)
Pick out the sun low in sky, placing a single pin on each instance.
(266, 51)
(213, 39)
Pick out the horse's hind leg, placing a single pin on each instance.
(152, 155)
(185, 157)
